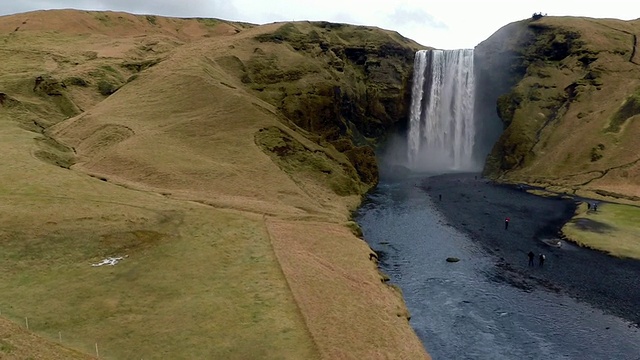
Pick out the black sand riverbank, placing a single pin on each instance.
(479, 208)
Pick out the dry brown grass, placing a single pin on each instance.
(193, 273)
(113, 24)
(325, 277)
(17, 343)
(177, 183)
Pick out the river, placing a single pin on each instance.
(460, 310)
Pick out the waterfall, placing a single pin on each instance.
(441, 127)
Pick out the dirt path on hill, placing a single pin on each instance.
(479, 208)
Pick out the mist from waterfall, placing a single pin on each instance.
(441, 126)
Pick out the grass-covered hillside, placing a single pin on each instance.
(569, 97)
(221, 161)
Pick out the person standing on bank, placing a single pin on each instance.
(541, 260)
(531, 255)
(506, 223)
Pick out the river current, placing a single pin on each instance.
(459, 310)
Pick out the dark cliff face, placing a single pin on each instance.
(561, 87)
(497, 70)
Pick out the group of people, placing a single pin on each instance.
(531, 255)
(541, 259)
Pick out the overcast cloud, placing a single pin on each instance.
(445, 24)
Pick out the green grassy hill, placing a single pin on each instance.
(205, 153)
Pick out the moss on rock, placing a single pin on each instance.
(347, 75)
(347, 84)
(54, 90)
(566, 90)
(297, 160)
(363, 159)
(507, 105)
(630, 108)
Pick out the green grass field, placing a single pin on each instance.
(613, 228)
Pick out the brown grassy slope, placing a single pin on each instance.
(577, 74)
(199, 147)
(115, 25)
(195, 178)
(193, 273)
(17, 343)
(322, 261)
(92, 49)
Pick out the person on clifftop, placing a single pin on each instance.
(506, 223)
(541, 260)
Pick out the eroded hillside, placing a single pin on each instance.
(570, 109)
(220, 160)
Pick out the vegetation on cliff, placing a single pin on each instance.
(346, 84)
(569, 104)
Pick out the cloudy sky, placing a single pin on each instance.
(445, 24)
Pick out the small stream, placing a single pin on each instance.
(459, 310)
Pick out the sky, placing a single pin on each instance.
(442, 24)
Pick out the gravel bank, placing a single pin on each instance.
(479, 208)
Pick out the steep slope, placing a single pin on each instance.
(188, 155)
(571, 108)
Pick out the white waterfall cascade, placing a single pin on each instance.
(441, 126)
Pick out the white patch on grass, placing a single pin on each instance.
(109, 261)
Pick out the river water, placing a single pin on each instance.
(459, 310)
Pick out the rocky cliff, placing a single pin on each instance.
(346, 84)
(567, 92)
